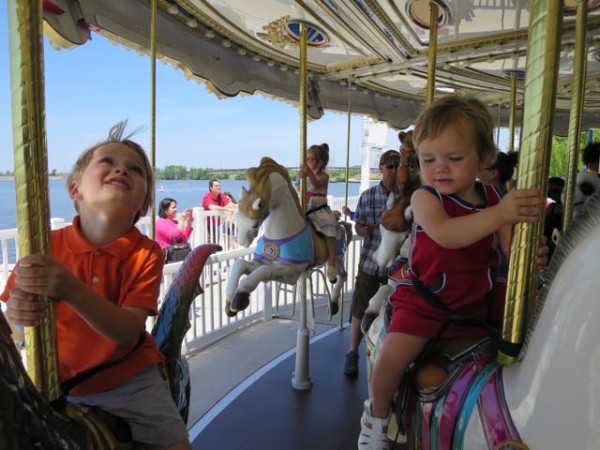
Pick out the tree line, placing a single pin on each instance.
(558, 167)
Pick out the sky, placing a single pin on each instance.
(91, 87)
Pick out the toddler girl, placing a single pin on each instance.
(454, 255)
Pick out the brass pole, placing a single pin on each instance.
(301, 375)
(432, 51)
(538, 112)
(303, 84)
(31, 174)
(347, 176)
(153, 109)
(512, 120)
(579, 70)
(348, 140)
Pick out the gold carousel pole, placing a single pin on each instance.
(300, 376)
(538, 112)
(153, 109)
(432, 50)
(512, 120)
(302, 104)
(31, 174)
(341, 326)
(579, 70)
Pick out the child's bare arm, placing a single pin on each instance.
(523, 205)
(43, 275)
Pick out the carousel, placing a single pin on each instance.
(536, 66)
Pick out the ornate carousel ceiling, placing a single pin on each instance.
(376, 48)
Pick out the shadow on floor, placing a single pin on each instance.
(270, 414)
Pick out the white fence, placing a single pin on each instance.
(207, 314)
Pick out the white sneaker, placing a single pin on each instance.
(373, 431)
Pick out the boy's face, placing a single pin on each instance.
(114, 178)
(449, 163)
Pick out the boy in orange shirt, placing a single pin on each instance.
(104, 276)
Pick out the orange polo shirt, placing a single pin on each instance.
(127, 272)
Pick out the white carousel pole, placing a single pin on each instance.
(300, 377)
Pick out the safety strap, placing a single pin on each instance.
(508, 348)
(310, 211)
(68, 385)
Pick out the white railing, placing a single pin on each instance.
(207, 314)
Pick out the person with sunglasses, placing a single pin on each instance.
(371, 205)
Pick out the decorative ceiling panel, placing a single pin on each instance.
(377, 47)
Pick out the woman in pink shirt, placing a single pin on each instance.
(170, 230)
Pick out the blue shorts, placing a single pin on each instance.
(145, 402)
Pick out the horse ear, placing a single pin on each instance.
(243, 193)
(257, 204)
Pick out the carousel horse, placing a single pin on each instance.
(28, 420)
(288, 246)
(550, 399)
(395, 227)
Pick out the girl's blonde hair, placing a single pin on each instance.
(115, 135)
(467, 114)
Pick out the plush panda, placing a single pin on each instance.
(586, 184)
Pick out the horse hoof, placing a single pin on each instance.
(334, 307)
(366, 322)
(228, 311)
(239, 302)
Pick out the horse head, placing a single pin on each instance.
(257, 201)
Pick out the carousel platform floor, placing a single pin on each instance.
(242, 395)
(266, 412)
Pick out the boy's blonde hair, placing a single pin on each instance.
(115, 135)
(464, 113)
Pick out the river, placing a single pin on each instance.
(188, 194)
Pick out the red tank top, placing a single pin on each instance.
(461, 278)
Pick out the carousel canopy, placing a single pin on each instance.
(377, 49)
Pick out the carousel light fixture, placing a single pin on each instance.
(226, 43)
(191, 22)
(173, 9)
(419, 12)
(209, 34)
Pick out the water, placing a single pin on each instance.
(187, 193)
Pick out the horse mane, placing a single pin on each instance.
(258, 178)
(580, 227)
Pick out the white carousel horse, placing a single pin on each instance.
(288, 246)
(551, 398)
(395, 225)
